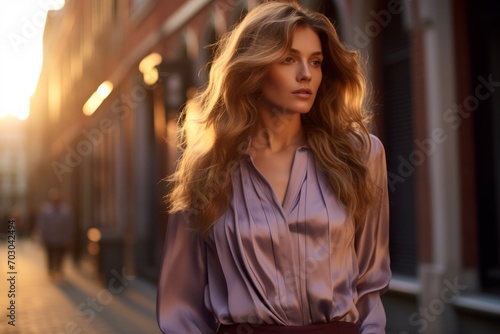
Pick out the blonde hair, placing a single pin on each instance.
(220, 118)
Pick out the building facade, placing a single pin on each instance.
(13, 175)
(117, 72)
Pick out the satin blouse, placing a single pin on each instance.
(293, 263)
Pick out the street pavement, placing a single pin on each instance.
(76, 303)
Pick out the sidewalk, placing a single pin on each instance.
(77, 303)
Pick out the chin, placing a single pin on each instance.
(300, 110)
(294, 109)
(304, 111)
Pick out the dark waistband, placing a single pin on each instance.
(337, 327)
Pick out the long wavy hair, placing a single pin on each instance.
(219, 120)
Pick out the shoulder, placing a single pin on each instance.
(376, 161)
(376, 154)
(46, 208)
(65, 208)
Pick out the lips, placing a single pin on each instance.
(304, 93)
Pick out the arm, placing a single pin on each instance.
(181, 289)
(372, 249)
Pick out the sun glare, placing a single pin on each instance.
(21, 29)
(17, 105)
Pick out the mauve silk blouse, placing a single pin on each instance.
(292, 264)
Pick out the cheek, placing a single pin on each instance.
(277, 81)
(319, 77)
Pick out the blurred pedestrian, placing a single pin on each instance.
(279, 211)
(56, 228)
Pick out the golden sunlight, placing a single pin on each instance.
(21, 26)
(97, 98)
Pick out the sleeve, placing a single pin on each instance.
(372, 249)
(181, 289)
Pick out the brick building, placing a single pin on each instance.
(116, 73)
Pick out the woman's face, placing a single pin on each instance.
(292, 83)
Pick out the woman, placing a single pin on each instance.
(279, 210)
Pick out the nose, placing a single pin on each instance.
(304, 73)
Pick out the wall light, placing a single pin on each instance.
(94, 234)
(147, 66)
(97, 98)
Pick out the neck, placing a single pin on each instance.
(276, 131)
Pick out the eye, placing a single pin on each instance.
(288, 60)
(316, 63)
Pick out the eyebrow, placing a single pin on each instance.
(317, 53)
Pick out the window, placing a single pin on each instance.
(485, 67)
(399, 143)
